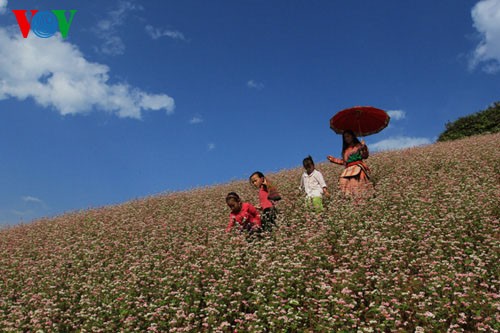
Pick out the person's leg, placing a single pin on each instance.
(317, 204)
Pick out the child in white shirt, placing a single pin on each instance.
(313, 183)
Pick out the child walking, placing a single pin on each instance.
(243, 214)
(313, 183)
(268, 195)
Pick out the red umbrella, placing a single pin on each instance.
(362, 120)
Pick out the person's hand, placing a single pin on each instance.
(330, 158)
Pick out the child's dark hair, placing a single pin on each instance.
(258, 173)
(308, 160)
(232, 196)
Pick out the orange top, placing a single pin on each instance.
(363, 149)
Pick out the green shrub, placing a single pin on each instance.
(482, 122)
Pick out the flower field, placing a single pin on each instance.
(420, 256)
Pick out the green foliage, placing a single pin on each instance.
(482, 122)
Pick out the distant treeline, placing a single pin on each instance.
(482, 122)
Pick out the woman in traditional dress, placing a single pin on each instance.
(355, 179)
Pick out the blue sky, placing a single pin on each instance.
(153, 96)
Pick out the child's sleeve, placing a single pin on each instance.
(301, 186)
(321, 180)
(252, 211)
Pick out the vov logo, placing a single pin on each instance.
(44, 24)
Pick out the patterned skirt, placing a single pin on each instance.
(355, 180)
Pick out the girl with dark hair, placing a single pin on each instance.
(242, 213)
(355, 179)
(268, 195)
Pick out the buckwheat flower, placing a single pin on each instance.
(429, 314)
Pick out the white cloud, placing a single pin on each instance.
(31, 206)
(3, 6)
(399, 142)
(196, 120)
(27, 209)
(486, 17)
(107, 29)
(255, 85)
(211, 146)
(111, 45)
(32, 199)
(32, 203)
(54, 73)
(396, 114)
(156, 33)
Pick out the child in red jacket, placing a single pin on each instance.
(242, 213)
(267, 197)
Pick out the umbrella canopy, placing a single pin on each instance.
(362, 120)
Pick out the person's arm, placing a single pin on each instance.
(335, 160)
(325, 191)
(321, 182)
(253, 215)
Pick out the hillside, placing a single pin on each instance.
(421, 256)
